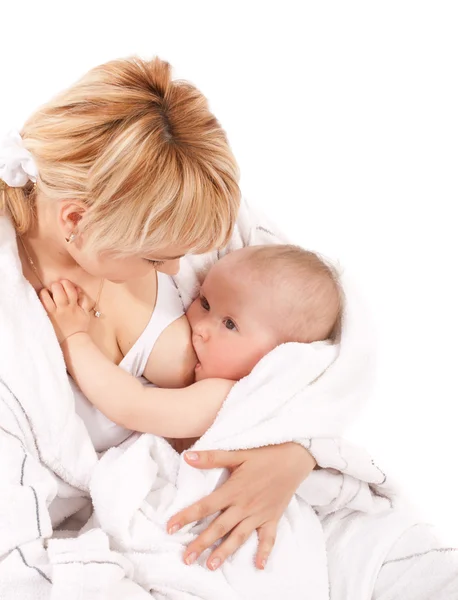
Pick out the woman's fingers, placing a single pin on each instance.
(71, 292)
(216, 501)
(239, 531)
(47, 301)
(260, 487)
(235, 539)
(266, 536)
(221, 526)
(212, 459)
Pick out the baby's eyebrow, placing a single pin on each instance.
(202, 273)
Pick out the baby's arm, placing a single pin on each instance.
(179, 413)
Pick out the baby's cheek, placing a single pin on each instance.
(191, 313)
(233, 364)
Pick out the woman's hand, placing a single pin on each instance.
(260, 487)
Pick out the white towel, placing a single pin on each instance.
(269, 406)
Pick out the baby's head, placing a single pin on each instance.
(257, 298)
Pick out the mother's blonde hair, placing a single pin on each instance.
(142, 152)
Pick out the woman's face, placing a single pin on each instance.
(119, 269)
(108, 265)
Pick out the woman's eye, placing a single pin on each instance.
(204, 303)
(155, 263)
(229, 324)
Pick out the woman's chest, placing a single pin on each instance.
(125, 311)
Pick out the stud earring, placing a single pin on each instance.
(71, 238)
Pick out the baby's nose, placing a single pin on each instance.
(202, 329)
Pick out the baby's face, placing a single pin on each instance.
(230, 325)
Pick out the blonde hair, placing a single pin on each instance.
(306, 289)
(142, 152)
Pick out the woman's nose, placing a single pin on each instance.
(170, 267)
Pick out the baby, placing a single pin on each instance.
(250, 302)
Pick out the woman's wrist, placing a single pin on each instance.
(306, 444)
(303, 455)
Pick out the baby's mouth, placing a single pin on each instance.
(198, 363)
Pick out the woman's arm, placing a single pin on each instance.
(179, 413)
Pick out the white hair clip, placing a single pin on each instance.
(17, 165)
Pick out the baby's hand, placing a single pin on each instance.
(68, 312)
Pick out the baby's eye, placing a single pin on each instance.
(204, 303)
(229, 323)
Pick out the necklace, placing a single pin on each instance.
(94, 309)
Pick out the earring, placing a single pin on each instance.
(71, 238)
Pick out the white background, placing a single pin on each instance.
(344, 119)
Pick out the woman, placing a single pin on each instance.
(133, 173)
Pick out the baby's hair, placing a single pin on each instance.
(142, 151)
(305, 287)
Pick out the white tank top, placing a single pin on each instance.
(103, 432)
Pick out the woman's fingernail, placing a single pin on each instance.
(192, 456)
(174, 529)
(263, 563)
(215, 563)
(191, 558)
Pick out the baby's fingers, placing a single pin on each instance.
(71, 291)
(83, 301)
(47, 301)
(59, 295)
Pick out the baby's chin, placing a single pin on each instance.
(201, 373)
(198, 372)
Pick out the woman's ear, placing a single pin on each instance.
(70, 214)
